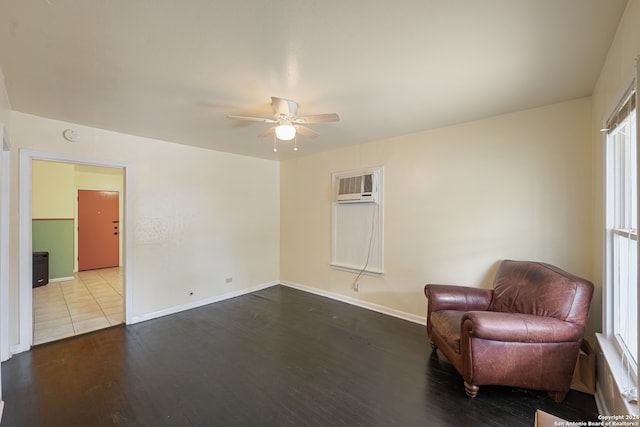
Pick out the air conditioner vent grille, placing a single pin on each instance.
(357, 189)
(350, 185)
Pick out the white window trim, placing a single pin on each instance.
(378, 224)
(608, 291)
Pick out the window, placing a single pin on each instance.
(622, 230)
(357, 222)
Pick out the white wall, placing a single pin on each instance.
(614, 78)
(197, 216)
(457, 200)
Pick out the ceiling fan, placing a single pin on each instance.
(287, 124)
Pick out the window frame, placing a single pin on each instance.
(613, 229)
(370, 249)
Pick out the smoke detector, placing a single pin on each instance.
(71, 135)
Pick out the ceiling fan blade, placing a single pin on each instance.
(252, 119)
(269, 131)
(305, 131)
(318, 118)
(283, 106)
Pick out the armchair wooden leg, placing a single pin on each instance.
(472, 390)
(434, 350)
(558, 396)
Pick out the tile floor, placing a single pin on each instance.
(91, 301)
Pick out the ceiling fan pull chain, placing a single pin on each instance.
(275, 149)
(295, 143)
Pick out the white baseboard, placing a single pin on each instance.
(338, 297)
(199, 303)
(422, 320)
(18, 348)
(61, 279)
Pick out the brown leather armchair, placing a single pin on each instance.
(525, 332)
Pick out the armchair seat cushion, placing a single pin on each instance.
(517, 327)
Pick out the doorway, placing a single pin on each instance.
(84, 294)
(30, 211)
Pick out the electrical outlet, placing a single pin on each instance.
(228, 280)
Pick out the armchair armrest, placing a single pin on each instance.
(516, 327)
(461, 298)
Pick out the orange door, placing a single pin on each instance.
(98, 229)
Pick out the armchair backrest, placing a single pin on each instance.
(541, 289)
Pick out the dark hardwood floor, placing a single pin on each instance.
(277, 357)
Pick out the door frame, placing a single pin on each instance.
(5, 157)
(25, 242)
(5, 213)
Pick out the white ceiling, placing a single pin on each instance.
(173, 70)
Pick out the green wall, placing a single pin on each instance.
(56, 237)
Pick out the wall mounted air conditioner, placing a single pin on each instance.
(358, 189)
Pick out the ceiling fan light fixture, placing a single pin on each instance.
(285, 131)
(286, 123)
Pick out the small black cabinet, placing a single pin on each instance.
(40, 268)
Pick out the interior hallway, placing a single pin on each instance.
(92, 301)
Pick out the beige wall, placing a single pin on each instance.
(192, 223)
(457, 200)
(98, 178)
(52, 190)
